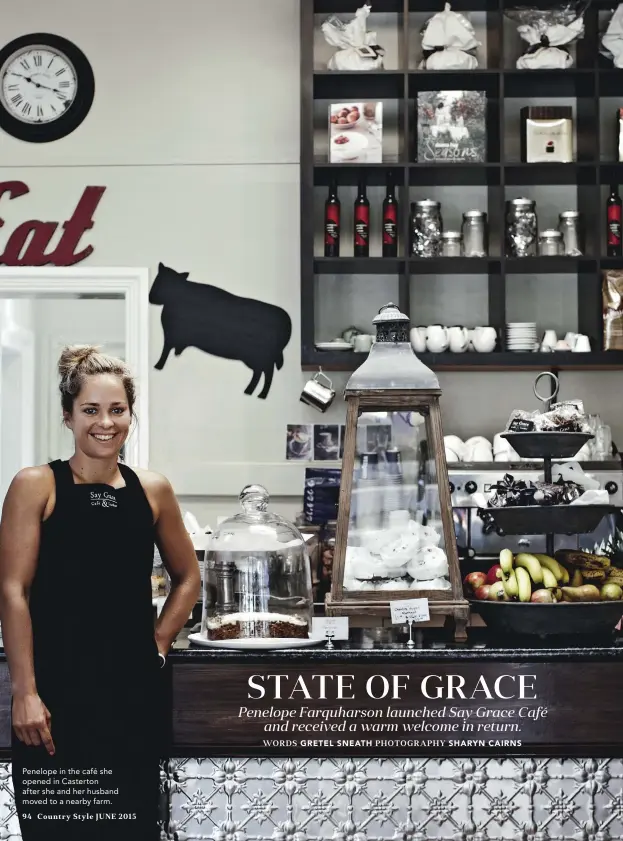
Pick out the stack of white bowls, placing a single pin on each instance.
(521, 336)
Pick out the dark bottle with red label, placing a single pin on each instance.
(362, 222)
(390, 223)
(613, 231)
(332, 223)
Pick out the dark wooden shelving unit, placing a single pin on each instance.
(591, 80)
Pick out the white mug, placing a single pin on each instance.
(484, 339)
(570, 339)
(362, 343)
(582, 344)
(418, 339)
(550, 338)
(436, 338)
(458, 339)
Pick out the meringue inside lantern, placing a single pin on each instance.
(395, 533)
(257, 579)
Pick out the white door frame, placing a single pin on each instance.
(133, 284)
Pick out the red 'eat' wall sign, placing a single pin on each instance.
(26, 245)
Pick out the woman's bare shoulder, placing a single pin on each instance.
(34, 479)
(152, 481)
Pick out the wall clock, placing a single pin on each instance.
(46, 87)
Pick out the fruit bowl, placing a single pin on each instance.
(546, 620)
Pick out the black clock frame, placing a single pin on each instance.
(75, 113)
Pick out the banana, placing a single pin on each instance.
(577, 579)
(532, 565)
(565, 574)
(615, 575)
(551, 564)
(583, 560)
(506, 560)
(511, 587)
(549, 579)
(593, 575)
(524, 584)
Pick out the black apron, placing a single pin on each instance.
(96, 667)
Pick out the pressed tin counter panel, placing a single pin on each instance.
(382, 800)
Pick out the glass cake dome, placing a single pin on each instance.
(257, 581)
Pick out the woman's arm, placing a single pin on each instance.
(20, 531)
(179, 559)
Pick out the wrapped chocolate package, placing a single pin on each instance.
(612, 309)
(567, 416)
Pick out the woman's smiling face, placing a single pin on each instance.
(101, 419)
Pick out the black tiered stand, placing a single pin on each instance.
(554, 519)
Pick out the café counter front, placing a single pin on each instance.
(481, 740)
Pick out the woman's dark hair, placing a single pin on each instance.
(77, 362)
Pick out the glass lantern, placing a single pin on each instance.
(395, 532)
(257, 576)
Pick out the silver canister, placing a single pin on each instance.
(572, 230)
(521, 228)
(426, 228)
(451, 244)
(475, 234)
(550, 243)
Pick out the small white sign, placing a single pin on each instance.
(334, 627)
(409, 610)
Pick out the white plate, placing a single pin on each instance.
(350, 151)
(254, 644)
(334, 346)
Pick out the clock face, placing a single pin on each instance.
(38, 85)
(46, 87)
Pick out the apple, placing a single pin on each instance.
(482, 592)
(497, 593)
(474, 580)
(494, 574)
(542, 596)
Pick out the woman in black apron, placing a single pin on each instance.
(76, 553)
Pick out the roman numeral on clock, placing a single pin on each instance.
(38, 60)
(39, 111)
(26, 108)
(16, 99)
(24, 64)
(61, 71)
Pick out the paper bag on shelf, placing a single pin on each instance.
(358, 49)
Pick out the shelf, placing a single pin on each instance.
(611, 172)
(358, 265)
(497, 361)
(460, 174)
(551, 83)
(538, 174)
(376, 174)
(610, 82)
(550, 265)
(342, 85)
(336, 7)
(475, 362)
(454, 265)
(474, 80)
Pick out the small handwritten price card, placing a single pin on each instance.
(330, 627)
(409, 610)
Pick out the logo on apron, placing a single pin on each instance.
(103, 499)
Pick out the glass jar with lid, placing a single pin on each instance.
(257, 579)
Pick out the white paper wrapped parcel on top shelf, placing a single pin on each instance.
(613, 38)
(354, 43)
(449, 36)
(547, 32)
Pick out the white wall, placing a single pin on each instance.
(195, 134)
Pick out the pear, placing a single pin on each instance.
(611, 592)
(585, 593)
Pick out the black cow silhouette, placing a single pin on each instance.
(222, 324)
